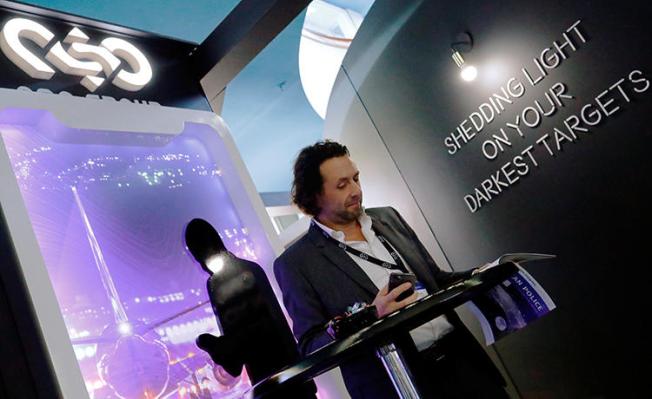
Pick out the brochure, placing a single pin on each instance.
(514, 303)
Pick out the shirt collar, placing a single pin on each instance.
(365, 224)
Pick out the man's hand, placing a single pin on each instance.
(385, 302)
(481, 269)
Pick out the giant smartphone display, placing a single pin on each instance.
(96, 195)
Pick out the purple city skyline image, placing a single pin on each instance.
(108, 210)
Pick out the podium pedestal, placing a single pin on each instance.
(398, 371)
(379, 336)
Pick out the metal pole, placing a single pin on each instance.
(398, 371)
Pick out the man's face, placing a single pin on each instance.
(341, 197)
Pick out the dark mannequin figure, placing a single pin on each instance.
(255, 331)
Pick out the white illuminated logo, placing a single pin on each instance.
(81, 59)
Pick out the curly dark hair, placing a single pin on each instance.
(308, 181)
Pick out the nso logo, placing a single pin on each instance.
(107, 57)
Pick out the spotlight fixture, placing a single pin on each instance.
(469, 72)
(464, 43)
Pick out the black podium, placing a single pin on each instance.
(379, 336)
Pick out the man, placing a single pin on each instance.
(320, 278)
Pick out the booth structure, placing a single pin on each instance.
(108, 148)
(95, 196)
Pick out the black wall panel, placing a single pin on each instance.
(587, 202)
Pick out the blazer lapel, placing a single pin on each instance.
(341, 259)
(408, 251)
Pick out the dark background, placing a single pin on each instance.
(588, 204)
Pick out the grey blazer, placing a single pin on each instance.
(319, 281)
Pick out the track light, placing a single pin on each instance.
(464, 43)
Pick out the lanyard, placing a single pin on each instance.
(369, 258)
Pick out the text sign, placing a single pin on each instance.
(612, 100)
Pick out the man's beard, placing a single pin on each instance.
(350, 216)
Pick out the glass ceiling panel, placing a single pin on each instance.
(191, 21)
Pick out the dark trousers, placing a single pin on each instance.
(448, 370)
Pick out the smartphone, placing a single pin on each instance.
(396, 279)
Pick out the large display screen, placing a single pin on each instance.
(108, 210)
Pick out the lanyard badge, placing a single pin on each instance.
(369, 258)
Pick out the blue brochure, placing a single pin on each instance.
(514, 303)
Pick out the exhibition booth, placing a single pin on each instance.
(110, 145)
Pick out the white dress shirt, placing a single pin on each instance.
(424, 335)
